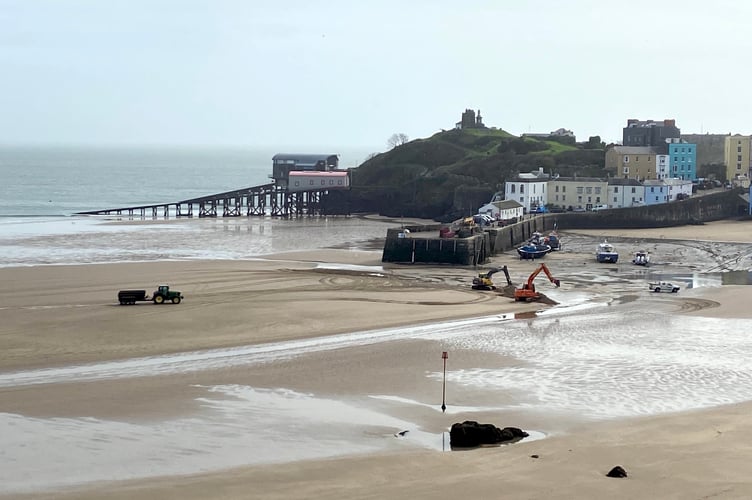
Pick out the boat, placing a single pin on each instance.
(532, 250)
(606, 253)
(552, 240)
(641, 258)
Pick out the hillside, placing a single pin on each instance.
(454, 172)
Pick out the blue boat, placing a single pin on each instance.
(533, 250)
(606, 253)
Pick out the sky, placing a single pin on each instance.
(328, 74)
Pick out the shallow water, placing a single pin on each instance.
(79, 240)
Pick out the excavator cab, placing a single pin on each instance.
(484, 282)
(527, 292)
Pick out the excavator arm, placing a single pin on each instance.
(550, 277)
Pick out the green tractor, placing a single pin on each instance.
(164, 294)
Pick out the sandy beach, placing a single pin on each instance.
(57, 317)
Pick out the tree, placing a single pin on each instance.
(397, 140)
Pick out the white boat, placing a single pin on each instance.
(641, 258)
(606, 253)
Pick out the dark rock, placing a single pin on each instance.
(617, 471)
(471, 434)
(534, 456)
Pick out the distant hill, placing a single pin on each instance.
(453, 173)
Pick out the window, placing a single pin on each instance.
(564, 198)
(597, 190)
(648, 158)
(297, 183)
(597, 199)
(634, 190)
(616, 189)
(331, 182)
(738, 149)
(590, 199)
(563, 189)
(557, 198)
(323, 182)
(652, 190)
(512, 190)
(339, 181)
(311, 182)
(579, 199)
(614, 199)
(522, 188)
(739, 158)
(625, 171)
(557, 189)
(636, 158)
(626, 159)
(589, 190)
(579, 189)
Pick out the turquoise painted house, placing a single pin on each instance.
(682, 157)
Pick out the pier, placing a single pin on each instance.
(301, 184)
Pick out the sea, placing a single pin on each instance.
(42, 188)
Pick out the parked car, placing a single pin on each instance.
(663, 286)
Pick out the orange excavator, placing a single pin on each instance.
(527, 293)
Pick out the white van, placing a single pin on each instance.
(596, 208)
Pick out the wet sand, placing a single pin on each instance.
(59, 316)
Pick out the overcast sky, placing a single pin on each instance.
(342, 74)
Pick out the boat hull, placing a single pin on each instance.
(607, 257)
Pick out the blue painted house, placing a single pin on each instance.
(682, 157)
(656, 192)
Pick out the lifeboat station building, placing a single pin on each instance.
(283, 164)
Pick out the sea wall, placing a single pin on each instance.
(694, 210)
(422, 245)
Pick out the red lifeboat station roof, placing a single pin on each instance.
(308, 173)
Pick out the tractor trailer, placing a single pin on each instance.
(161, 295)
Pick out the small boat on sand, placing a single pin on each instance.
(606, 253)
(641, 258)
(552, 240)
(532, 250)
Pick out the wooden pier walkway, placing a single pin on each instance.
(267, 199)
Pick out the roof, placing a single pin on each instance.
(306, 173)
(506, 204)
(304, 157)
(619, 181)
(578, 179)
(637, 150)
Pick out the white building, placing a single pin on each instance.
(662, 167)
(623, 193)
(502, 210)
(528, 189)
(678, 188)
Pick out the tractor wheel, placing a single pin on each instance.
(657, 290)
(176, 300)
(158, 299)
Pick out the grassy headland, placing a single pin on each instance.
(454, 172)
